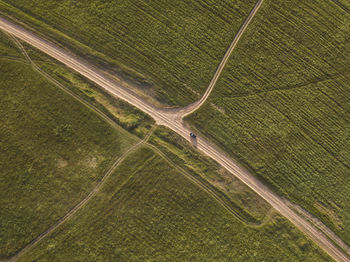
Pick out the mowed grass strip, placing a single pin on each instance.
(53, 150)
(282, 106)
(170, 47)
(149, 211)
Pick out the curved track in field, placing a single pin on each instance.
(174, 122)
(186, 110)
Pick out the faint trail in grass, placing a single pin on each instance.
(184, 111)
(173, 122)
(12, 58)
(301, 86)
(62, 87)
(104, 178)
(322, 227)
(308, 135)
(227, 204)
(83, 202)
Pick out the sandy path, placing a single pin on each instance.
(184, 111)
(173, 122)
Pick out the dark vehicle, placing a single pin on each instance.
(193, 135)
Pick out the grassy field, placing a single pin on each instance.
(53, 150)
(69, 165)
(249, 206)
(344, 4)
(282, 106)
(125, 115)
(122, 113)
(7, 47)
(171, 48)
(149, 211)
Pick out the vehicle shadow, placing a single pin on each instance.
(194, 141)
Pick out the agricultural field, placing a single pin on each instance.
(122, 113)
(147, 210)
(169, 49)
(282, 104)
(53, 151)
(344, 4)
(245, 203)
(7, 48)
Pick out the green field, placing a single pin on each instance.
(344, 4)
(125, 115)
(7, 47)
(282, 106)
(171, 48)
(147, 211)
(53, 150)
(248, 206)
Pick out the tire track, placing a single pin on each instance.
(184, 111)
(195, 181)
(104, 178)
(211, 192)
(83, 202)
(173, 122)
(62, 87)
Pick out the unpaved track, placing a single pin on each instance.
(176, 125)
(184, 111)
(210, 192)
(83, 202)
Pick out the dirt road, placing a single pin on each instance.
(184, 111)
(173, 122)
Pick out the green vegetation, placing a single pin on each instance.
(125, 115)
(282, 106)
(161, 208)
(344, 4)
(7, 47)
(149, 211)
(248, 206)
(53, 159)
(171, 48)
(53, 151)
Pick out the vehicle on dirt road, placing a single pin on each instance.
(193, 135)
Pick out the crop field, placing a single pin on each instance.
(149, 211)
(248, 205)
(125, 115)
(53, 151)
(344, 4)
(282, 106)
(172, 48)
(7, 47)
